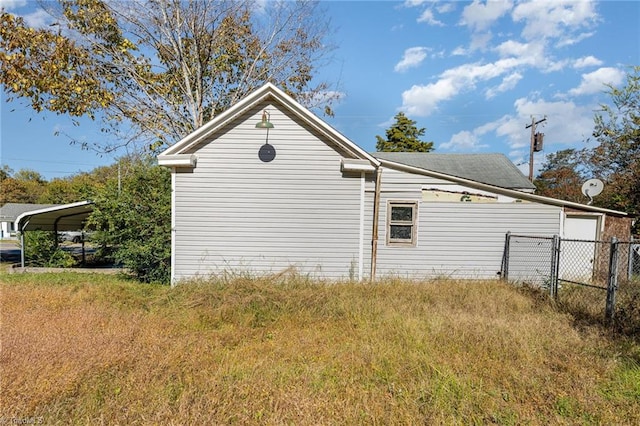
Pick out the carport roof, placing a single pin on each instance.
(62, 217)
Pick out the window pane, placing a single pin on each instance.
(401, 213)
(400, 232)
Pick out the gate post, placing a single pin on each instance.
(612, 280)
(505, 257)
(555, 266)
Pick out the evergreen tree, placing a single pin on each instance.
(403, 136)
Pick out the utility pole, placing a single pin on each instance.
(536, 142)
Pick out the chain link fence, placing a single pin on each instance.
(593, 280)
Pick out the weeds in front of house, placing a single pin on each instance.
(90, 348)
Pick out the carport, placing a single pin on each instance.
(63, 217)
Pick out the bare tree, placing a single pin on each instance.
(154, 70)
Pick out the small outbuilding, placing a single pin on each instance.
(267, 186)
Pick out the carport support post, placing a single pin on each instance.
(22, 249)
(612, 280)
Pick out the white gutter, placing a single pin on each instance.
(496, 189)
(177, 160)
(352, 165)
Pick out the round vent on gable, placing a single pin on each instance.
(267, 153)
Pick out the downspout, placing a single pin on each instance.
(374, 231)
(361, 243)
(173, 226)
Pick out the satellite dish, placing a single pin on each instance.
(592, 188)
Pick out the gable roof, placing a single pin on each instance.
(492, 169)
(10, 211)
(172, 155)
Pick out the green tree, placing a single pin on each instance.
(5, 172)
(561, 176)
(403, 136)
(616, 158)
(155, 70)
(25, 186)
(133, 220)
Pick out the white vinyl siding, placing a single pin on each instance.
(456, 240)
(237, 214)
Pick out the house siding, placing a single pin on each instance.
(457, 240)
(235, 213)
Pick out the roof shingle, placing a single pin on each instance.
(492, 169)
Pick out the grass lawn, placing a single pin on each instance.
(87, 349)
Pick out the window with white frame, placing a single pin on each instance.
(401, 223)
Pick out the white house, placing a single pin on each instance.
(9, 212)
(267, 186)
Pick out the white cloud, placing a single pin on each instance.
(445, 7)
(459, 51)
(423, 100)
(463, 141)
(9, 5)
(480, 16)
(427, 16)
(554, 18)
(38, 19)
(570, 41)
(413, 3)
(508, 83)
(514, 48)
(567, 123)
(595, 82)
(412, 57)
(587, 61)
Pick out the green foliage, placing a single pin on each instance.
(41, 249)
(561, 176)
(403, 136)
(25, 186)
(49, 69)
(133, 223)
(161, 68)
(615, 160)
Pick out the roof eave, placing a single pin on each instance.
(503, 191)
(265, 92)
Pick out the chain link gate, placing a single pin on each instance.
(584, 276)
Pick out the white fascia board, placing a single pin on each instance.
(177, 160)
(505, 191)
(352, 165)
(268, 91)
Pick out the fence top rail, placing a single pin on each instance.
(533, 237)
(542, 237)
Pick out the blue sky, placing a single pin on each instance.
(472, 73)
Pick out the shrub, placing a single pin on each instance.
(133, 221)
(41, 249)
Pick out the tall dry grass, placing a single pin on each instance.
(92, 349)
